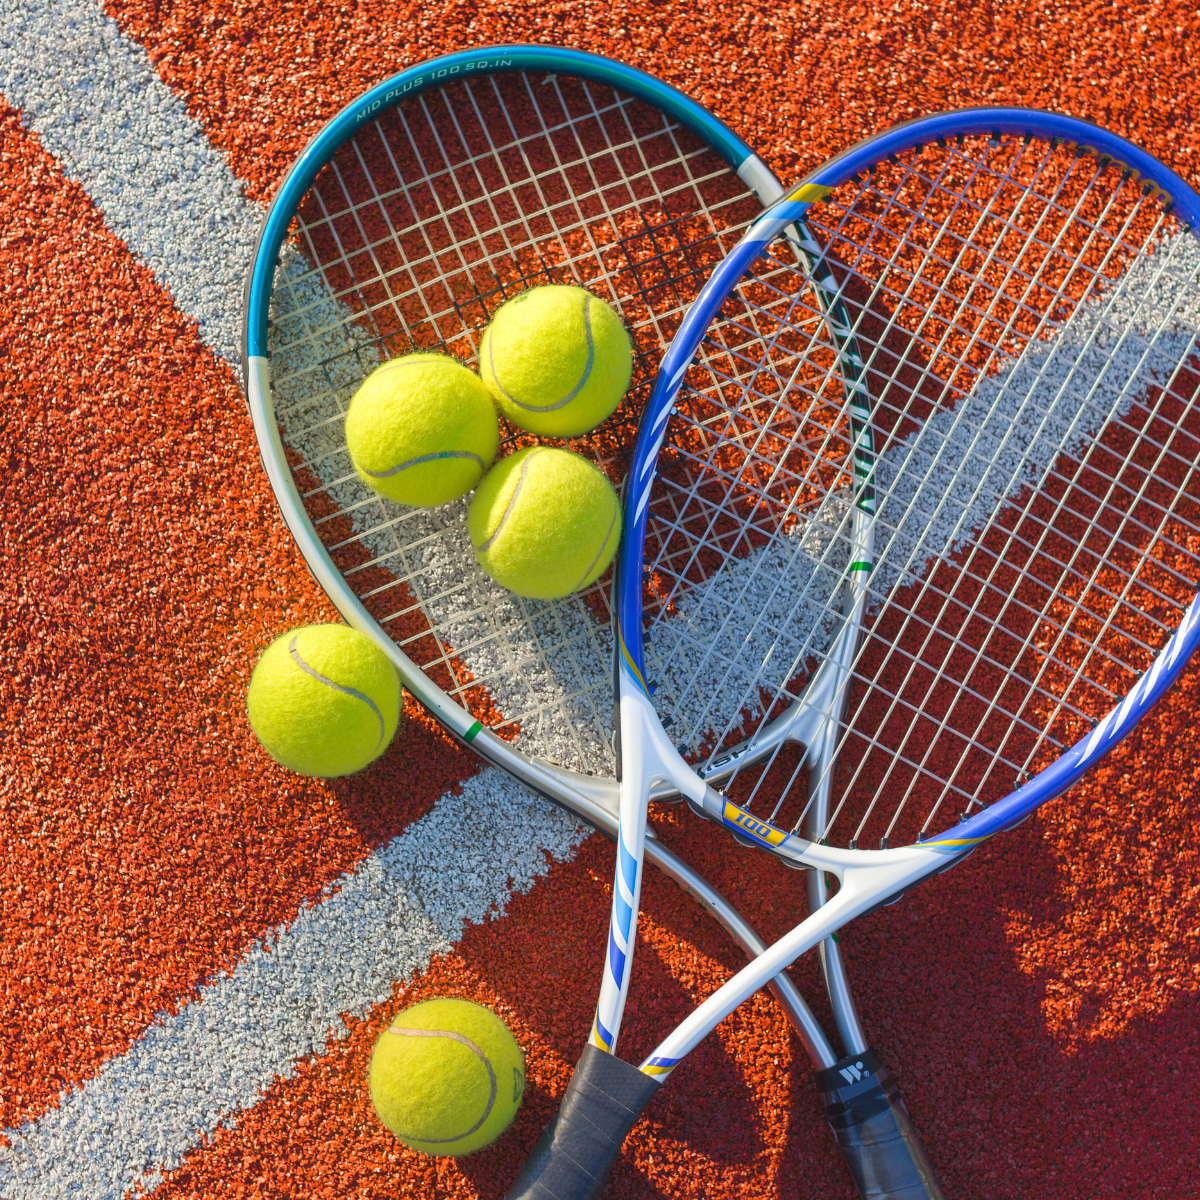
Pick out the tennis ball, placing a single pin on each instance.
(422, 430)
(544, 522)
(556, 360)
(324, 700)
(447, 1077)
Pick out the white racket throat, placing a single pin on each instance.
(650, 760)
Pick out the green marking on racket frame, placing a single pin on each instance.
(469, 736)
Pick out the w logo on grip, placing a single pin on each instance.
(854, 1072)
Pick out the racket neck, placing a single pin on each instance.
(868, 880)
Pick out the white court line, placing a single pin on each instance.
(92, 98)
(190, 1073)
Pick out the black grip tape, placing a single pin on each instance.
(574, 1155)
(866, 1112)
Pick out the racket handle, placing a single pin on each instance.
(575, 1153)
(866, 1112)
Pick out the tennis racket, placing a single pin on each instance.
(887, 588)
(403, 225)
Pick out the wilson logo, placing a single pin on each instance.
(854, 1072)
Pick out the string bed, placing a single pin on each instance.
(418, 229)
(1020, 324)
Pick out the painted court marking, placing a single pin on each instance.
(189, 1073)
(94, 101)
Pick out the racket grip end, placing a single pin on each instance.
(575, 1153)
(876, 1135)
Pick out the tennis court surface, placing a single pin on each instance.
(199, 949)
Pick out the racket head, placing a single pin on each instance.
(1021, 291)
(403, 225)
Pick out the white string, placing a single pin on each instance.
(420, 227)
(941, 258)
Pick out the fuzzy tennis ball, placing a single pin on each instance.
(447, 1077)
(324, 700)
(544, 522)
(422, 430)
(557, 360)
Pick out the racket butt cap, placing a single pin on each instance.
(874, 1132)
(575, 1153)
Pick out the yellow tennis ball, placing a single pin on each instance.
(422, 430)
(324, 700)
(447, 1077)
(556, 360)
(544, 522)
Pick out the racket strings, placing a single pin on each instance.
(803, 497)
(919, 301)
(1052, 651)
(1019, 766)
(1009, 601)
(735, 462)
(697, 641)
(952, 268)
(1026, 318)
(489, 187)
(749, 412)
(760, 408)
(1055, 477)
(413, 234)
(535, 214)
(756, 367)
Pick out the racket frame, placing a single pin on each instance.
(465, 65)
(867, 878)
(594, 799)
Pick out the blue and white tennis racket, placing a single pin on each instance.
(404, 224)
(902, 563)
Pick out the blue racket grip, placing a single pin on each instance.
(574, 1155)
(876, 1135)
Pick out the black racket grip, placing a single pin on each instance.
(866, 1112)
(575, 1153)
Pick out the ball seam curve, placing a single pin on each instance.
(401, 1031)
(587, 368)
(341, 687)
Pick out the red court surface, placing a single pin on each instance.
(1041, 1005)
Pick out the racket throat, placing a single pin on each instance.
(812, 719)
(648, 759)
(821, 757)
